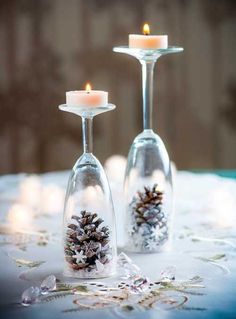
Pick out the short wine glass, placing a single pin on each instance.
(89, 222)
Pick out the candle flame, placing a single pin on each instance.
(88, 87)
(146, 29)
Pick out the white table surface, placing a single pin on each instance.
(204, 245)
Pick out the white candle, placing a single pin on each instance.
(86, 98)
(147, 41)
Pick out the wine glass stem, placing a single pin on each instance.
(147, 88)
(87, 131)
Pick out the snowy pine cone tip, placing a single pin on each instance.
(87, 242)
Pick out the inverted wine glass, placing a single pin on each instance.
(148, 178)
(89, 231)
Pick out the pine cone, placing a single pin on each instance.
(147, 206)
(149, 228)
(87, 241)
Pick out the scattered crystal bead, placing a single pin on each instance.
(168, 274)
(139, 284)
(30, 296)
(48, 284)
(127, 266)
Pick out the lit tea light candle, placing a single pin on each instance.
(86, 98)
(147, 41)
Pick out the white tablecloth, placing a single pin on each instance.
(203, 247)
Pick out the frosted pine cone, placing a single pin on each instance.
(87, 242)
(148, 221)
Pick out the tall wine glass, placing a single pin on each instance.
(148, 179)
(89, 220)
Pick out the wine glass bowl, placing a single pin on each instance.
(148, 194)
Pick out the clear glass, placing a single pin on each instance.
(89, 231)
(148, 179)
